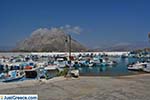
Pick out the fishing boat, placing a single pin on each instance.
(75, 73)
(111, 63)
(51, 71)
(31, 72)
(146, 68)
(60, 63)
(14, 75)
(91, 64)
(137, 66)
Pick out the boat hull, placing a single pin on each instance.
(13, 79)
(31, 74)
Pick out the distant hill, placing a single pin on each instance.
(126, 46)
(44, 39)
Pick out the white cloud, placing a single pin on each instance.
(54, 30)
(71, 29)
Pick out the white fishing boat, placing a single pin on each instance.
(111, 63)
(60, 62)
(51, 67)
(51, 71)
(91, 64)
(137, 66)
(146, 68)
(75, 73)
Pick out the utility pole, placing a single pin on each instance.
(70, 48)
(149, 36)
(68, 45)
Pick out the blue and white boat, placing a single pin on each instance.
(14, 75)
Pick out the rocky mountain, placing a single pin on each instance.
(43, 39)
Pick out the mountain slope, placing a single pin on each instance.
(48, 40)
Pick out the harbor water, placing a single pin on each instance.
(117, 70)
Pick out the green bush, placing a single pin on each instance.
(63, 73)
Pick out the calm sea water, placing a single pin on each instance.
(117, 70)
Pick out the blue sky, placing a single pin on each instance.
(104, 22)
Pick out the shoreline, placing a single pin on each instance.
(84, 88)
(30, 83)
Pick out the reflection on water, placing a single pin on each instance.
(119, 69)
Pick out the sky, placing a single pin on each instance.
(103, 22)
